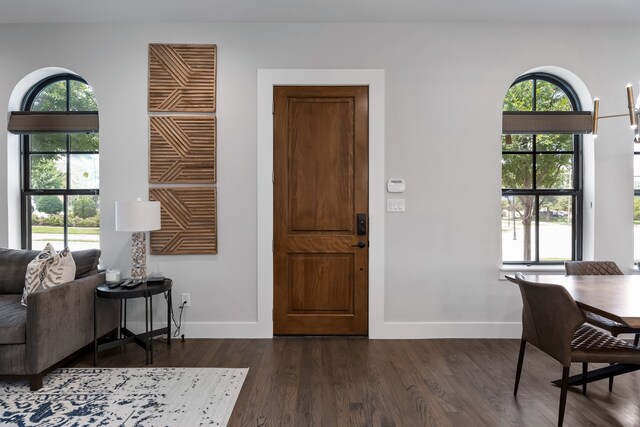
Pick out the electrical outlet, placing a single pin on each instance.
(186, 300)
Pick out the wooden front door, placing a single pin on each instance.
(321, 210)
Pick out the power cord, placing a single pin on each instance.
(178, 324)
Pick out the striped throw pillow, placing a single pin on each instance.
(61, 270)
(49, 268)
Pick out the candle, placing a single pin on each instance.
(113, 275)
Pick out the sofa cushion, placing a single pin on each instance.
(86, 262)
(13, 269)
(13, 320)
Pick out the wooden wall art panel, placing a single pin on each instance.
(182, 150)
(182, 77)
(188, 221)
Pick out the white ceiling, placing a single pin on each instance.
(521, 11)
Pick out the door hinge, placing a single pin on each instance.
(273, 177)
(273, 246)
(271, 314)
(273, 107)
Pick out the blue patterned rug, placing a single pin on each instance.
(146, 397)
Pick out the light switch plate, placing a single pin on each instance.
(395, 205)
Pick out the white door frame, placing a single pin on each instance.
(267, 79)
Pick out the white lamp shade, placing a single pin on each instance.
(137, 216)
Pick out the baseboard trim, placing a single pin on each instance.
(427, 330)
(213, 329)
(388, 330)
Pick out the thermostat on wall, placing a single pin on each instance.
(396, 185)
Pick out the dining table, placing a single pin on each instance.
(616, 297)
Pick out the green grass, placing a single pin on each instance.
(42, 229)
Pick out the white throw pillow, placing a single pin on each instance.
(49, 268)
(37, 271)
(61, 269)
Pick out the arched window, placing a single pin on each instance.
(541, 179)
(60, 186)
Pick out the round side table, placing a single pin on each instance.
(124, 335)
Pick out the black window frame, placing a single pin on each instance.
(576, 192)
(636, 193)
(26, 191)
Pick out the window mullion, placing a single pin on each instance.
(534, 163)
(65, 220)
(537, 229)
(26, 163)
(574, 234)
(68, 95)
(27, 210)
(534, 169)
(68, 156)
(534, 97)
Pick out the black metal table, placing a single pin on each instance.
(124, 335)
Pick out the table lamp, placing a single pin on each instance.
(138, 217)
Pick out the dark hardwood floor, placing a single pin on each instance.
(360, 382)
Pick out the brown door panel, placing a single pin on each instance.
(321, 185)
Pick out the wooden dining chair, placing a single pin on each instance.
(553, 322)
(601, 268)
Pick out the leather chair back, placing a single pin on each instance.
(550, 318)
(592, 268)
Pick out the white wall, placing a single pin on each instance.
(444, 89)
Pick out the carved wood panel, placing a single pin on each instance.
(188, 221)
(320, 155)
(182, 77)
(182, 150)
(321, 284)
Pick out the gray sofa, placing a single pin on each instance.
(56, 323)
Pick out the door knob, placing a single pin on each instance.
(360, 245)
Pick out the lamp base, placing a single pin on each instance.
(138, 255)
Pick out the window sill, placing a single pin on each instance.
(511, 269)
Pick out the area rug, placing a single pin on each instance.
(124, 397)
